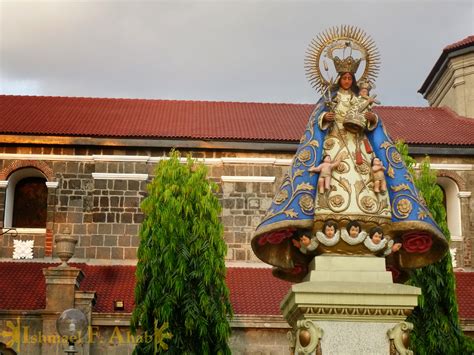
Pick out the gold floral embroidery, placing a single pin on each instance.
(396, 157)
(291, 213)
(304, 186)
(306, 203)
(281, 196)
(304, 156)
(342, 168)
(328, 144)
(404, 207)
(336, 201)
(391, 172)
(368, 203)
(400, 187)
(422, 214)
(345, 184)
(363, 169)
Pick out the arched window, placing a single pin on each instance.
(30, 203)
(26, 200)
(453, 206)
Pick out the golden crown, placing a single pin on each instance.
(346, 65)
(346, 39)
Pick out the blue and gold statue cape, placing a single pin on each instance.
(272, 241)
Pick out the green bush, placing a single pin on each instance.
(436, 323)
(181, 290)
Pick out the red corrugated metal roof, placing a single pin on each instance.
(427, 125)
(110, 283)
(134, 118)
(256, 291)
(253, 291)
(237, 121)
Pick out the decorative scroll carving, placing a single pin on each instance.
(308, 337)
(400, 339)
(291, 341)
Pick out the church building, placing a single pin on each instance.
(75, 168)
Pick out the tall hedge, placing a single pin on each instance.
(181, 290)
(436, 323)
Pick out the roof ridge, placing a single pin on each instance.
(154, 100)
(465, 41)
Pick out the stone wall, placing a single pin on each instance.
(460, 170)
(103, 210)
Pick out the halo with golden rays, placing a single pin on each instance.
(340, 37)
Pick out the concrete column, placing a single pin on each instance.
(84, 301)
(61, 286)
(348, 305)
(466, 216)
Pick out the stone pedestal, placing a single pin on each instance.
(349, 305)
(62, 292)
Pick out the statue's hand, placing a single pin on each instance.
(396, 247)
(369, 116)
(296, 243)
(330, 116)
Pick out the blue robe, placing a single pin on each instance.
(286, 219)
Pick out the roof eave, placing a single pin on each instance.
(440, 66)
(180, 143)
(440, 149)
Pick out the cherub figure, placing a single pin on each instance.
(325, 169)
(380, 185)
(353, 234)
(330, 235)
(376, 235)
(329, 229)
(305, 243)
(353, 228)
(376, 242)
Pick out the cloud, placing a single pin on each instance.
(235, 51)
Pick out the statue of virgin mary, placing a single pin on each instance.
(347, 191)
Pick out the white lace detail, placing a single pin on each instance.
(329, 242)
(388, 251)
(353, 241)
(312, 246)
(375, 247)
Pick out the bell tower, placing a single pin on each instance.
(451, 81)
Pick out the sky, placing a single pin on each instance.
(246, 50)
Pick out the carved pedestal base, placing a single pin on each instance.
(349, 305)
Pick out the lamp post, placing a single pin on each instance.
(72, 324)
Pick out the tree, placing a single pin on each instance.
(436, 323)
(180, 287)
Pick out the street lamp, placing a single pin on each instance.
(72, 324)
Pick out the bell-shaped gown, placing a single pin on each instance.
(298, 206)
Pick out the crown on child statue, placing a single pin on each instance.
(356, 46)
(364, 84)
